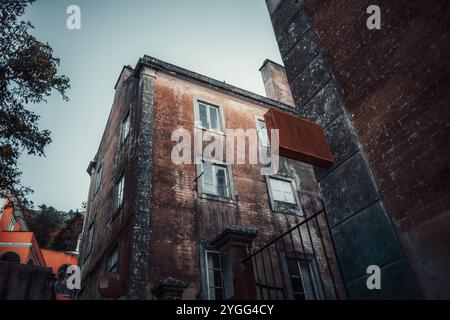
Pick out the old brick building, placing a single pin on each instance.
(382, 97)
(183, 229)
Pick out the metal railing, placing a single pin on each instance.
(300, 263)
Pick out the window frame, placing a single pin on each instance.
(117, 205)
(259, 119)
(126, 119)
(12, 223)
(220, 115)
(115, 250)
(281, 206)
(98, 179)
(89, 240)
(313, 273)
(201, 193)
(207, 269)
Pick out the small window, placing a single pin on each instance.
(12, 223)
(263, 137)
(125, 128)
(208, 117)
(303, 280)
(119, 192)
(282, 190)
(214, 277)
(283, 195)
(89, 239)
(215, 180)
(98, 178)
(112, 262)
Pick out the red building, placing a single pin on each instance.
(18, 245)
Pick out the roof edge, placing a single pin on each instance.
(155, 63)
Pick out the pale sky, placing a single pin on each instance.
(227, 40)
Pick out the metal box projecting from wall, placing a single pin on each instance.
(300, 139)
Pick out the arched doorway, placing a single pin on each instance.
(10, 256)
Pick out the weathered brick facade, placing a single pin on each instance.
(163, 226)
(383, 98)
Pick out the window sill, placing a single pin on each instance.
(208, 196)
(219, 132)
(286, 208)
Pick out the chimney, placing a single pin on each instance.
(276, 82)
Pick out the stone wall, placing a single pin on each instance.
(25, 282)
(382, 97)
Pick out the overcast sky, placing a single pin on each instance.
(226, 40)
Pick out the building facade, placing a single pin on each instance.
(183, 229)
(27, 271)
(382, 96)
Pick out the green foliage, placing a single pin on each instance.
(67, 238)
(28, 74)
(54, 229)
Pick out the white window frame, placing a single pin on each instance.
(220, 116)
(119, 192)
(214, 269)
(281, 206)
(202, 193)
(214, 169)
(12, 223)
(313, 274)
(258, 120)
(125, 125)
(288, 184)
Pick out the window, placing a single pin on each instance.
(112, 262)
(89, 239)
(283, 195)
(119, 192)
(208, 117)
(303, 281)
(282, 190)
(215, 180)
(262, 132)
(98, 178)
(214, 278)
(125, 128)
(12, 223)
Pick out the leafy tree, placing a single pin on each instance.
(46, 224)
(67, 238)
(28, 74)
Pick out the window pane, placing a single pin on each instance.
(282, 191)
(293, 268)
(262, 133)
(297, 284)
(307, 280)
(119, 195)
(219, 295)
(221, 182)
(203, 115)
(217, 278)
(214, 117)
(208, 184)
(213, 260)
(125, 128)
